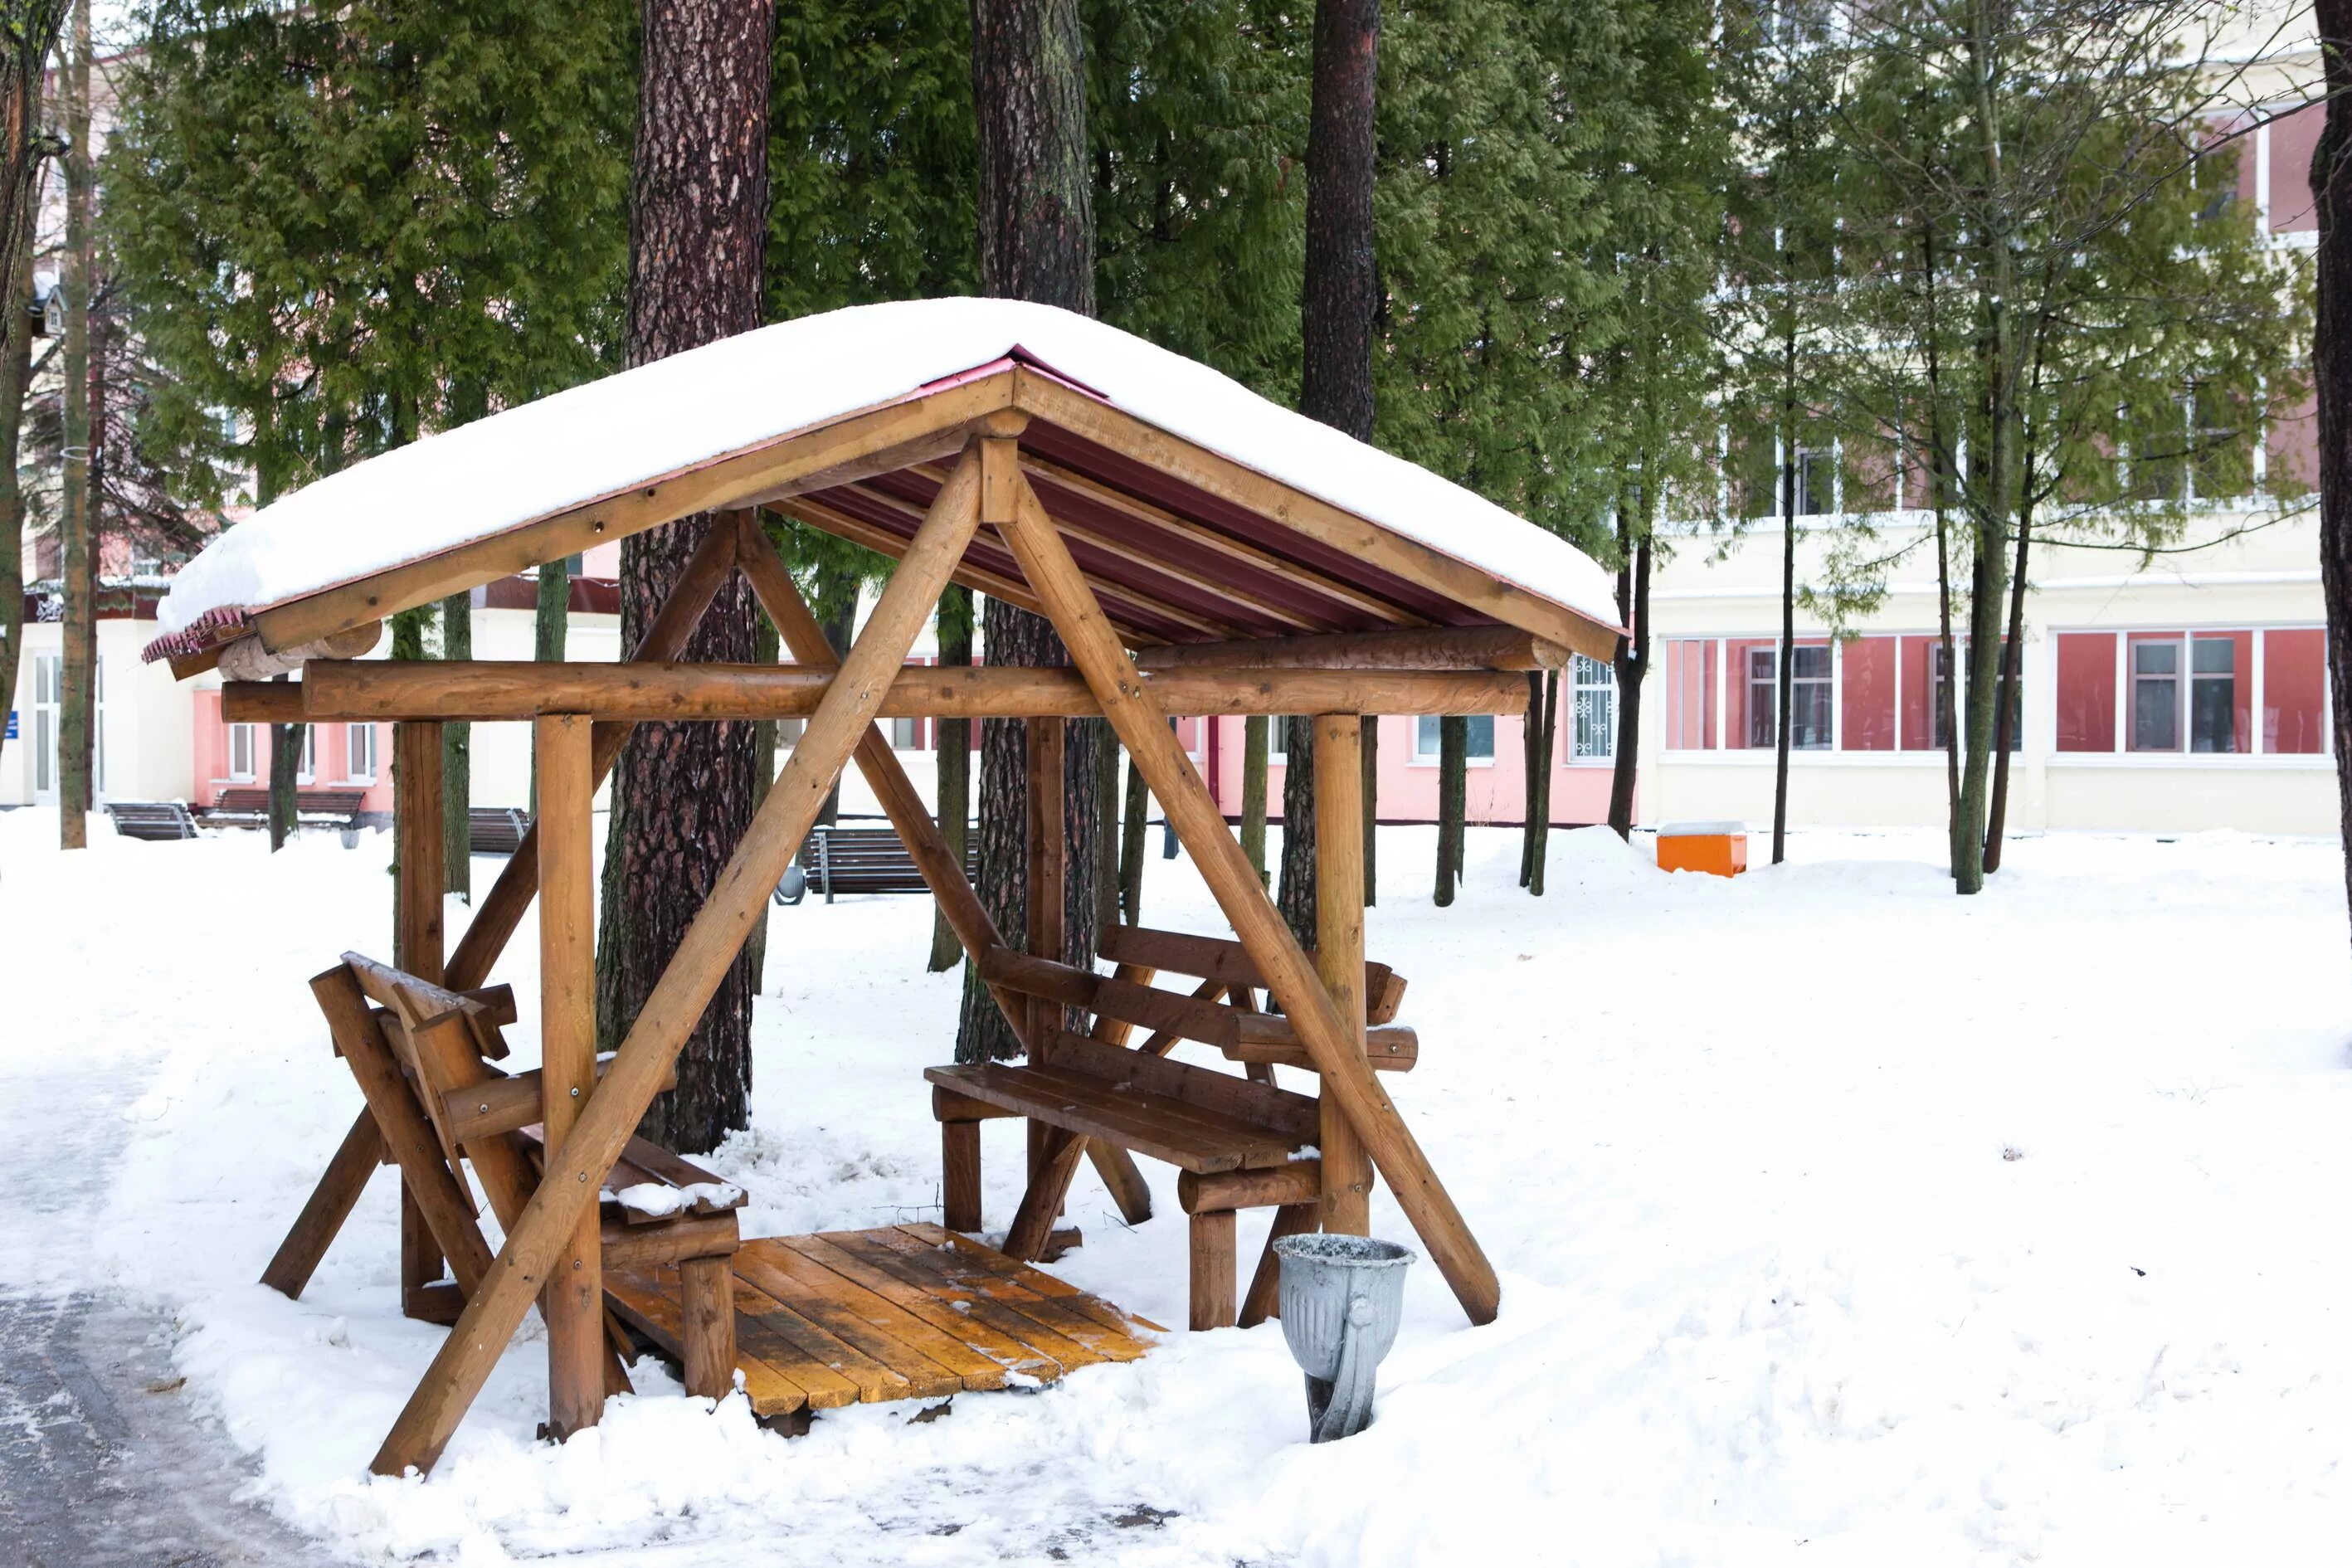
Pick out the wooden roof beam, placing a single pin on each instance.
(1435, 647)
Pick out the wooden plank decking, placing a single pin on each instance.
(904, 1312)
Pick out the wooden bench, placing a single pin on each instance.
(496, 829)
(1237, 1140)
(423, 1056)
(867, 860)
(249, 806)
(157, 821)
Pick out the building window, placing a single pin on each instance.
(1480, 749)
(2086, 691)
(1277, 740)
(307, 770)
(1866, 695)
(1690, 694)
(788, 730)
(359, 753)
(906, 734)
(1592, 710)
(2188, 689)
(1810, 684)
(48, 680)
(240, 754)
(2295, 692)
(1816, 483)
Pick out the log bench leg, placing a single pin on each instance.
(1056, 1155)
(1214, 1267)
(959, 1174)
(707, 1291)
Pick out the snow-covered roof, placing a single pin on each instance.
(612, 436)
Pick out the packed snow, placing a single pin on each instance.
(1839, 1221)
(638, 426)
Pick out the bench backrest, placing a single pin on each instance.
(1223, 958)
(1293, 1116)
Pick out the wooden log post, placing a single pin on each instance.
(416, 943)
(546, 1228)
(1339, 951)
(329, 1205)
(562, 747)
(1095, 648)
(1048, 867)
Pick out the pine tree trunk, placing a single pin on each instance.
(1254, 745)
(1132, 825)
(1108, 837)
(1783, 674)
(458, 757)
(2331, 366)
(953, 738)
(1453, 787)
(767, 647)
(834, 601)
(1530, 754)
(682, 793)
(16, 370)
(1372, 752)
(2013, 666)
(1339, 309)
(76, 696)
(1036, 233)
(284, 782)
(24, 57)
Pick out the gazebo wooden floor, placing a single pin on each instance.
(904, 1312)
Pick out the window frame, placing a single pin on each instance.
(355, 738)
(1574, 756)
(1430, 758)
(241, 733)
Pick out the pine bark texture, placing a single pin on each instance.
(76, 697)
(2010, 714)
(1339, 308)
(407, 638)
(1453, 787)
(2331, 177)
(24, 46)
(1632, 663)
(1037, 238)
(1133, 820)
(682, 793)
(1253, 766)
(954, 753)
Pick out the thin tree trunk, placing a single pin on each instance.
(76, 697)
(1036, 237)
(1372, 753)
(1782, 672)
(1531, 755)
(834, 602)
(2331, 364)
(1339, 310)
(1106, 840)
(407, 645)
(1632, 665)
(1542, 813)
(768, 647)
(1452, 786)
(24, 57)
(682, 793)
(458, 757)
(953, 740)
(551, 632)
(1255, 732)
(1133, 822)
(2011, 710)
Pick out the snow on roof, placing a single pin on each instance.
(632, 428)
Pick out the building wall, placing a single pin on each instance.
(147, 732)
(1495, 791)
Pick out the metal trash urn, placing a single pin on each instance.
(1342, 1300)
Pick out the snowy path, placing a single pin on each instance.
(102, 1462)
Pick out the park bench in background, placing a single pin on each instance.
(867, 860)
(156, 820)
(497, 829)
(249, 806)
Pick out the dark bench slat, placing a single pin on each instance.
(155, 821)
(1282, 1112)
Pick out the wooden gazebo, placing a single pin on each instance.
(1199, 551)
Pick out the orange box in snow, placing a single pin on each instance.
(1718, 848)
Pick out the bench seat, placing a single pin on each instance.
(1189, 1137)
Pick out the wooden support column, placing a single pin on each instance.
(421, 878)
(574, 1298)
(1339, 951)
(1048, 932)
(1335, 1049)
(544, 1232)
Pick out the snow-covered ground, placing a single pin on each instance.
(1839, 1221)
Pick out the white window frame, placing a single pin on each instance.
(307, 769)
(48, 680)
(358, 738)
(1428, 757)
(241, 733)
(1591, 675)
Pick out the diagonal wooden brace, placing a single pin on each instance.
(1347, 1077)
(568, 1188)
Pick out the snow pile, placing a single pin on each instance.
(659, 1200)
(1839, 1221)
(641, 424)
